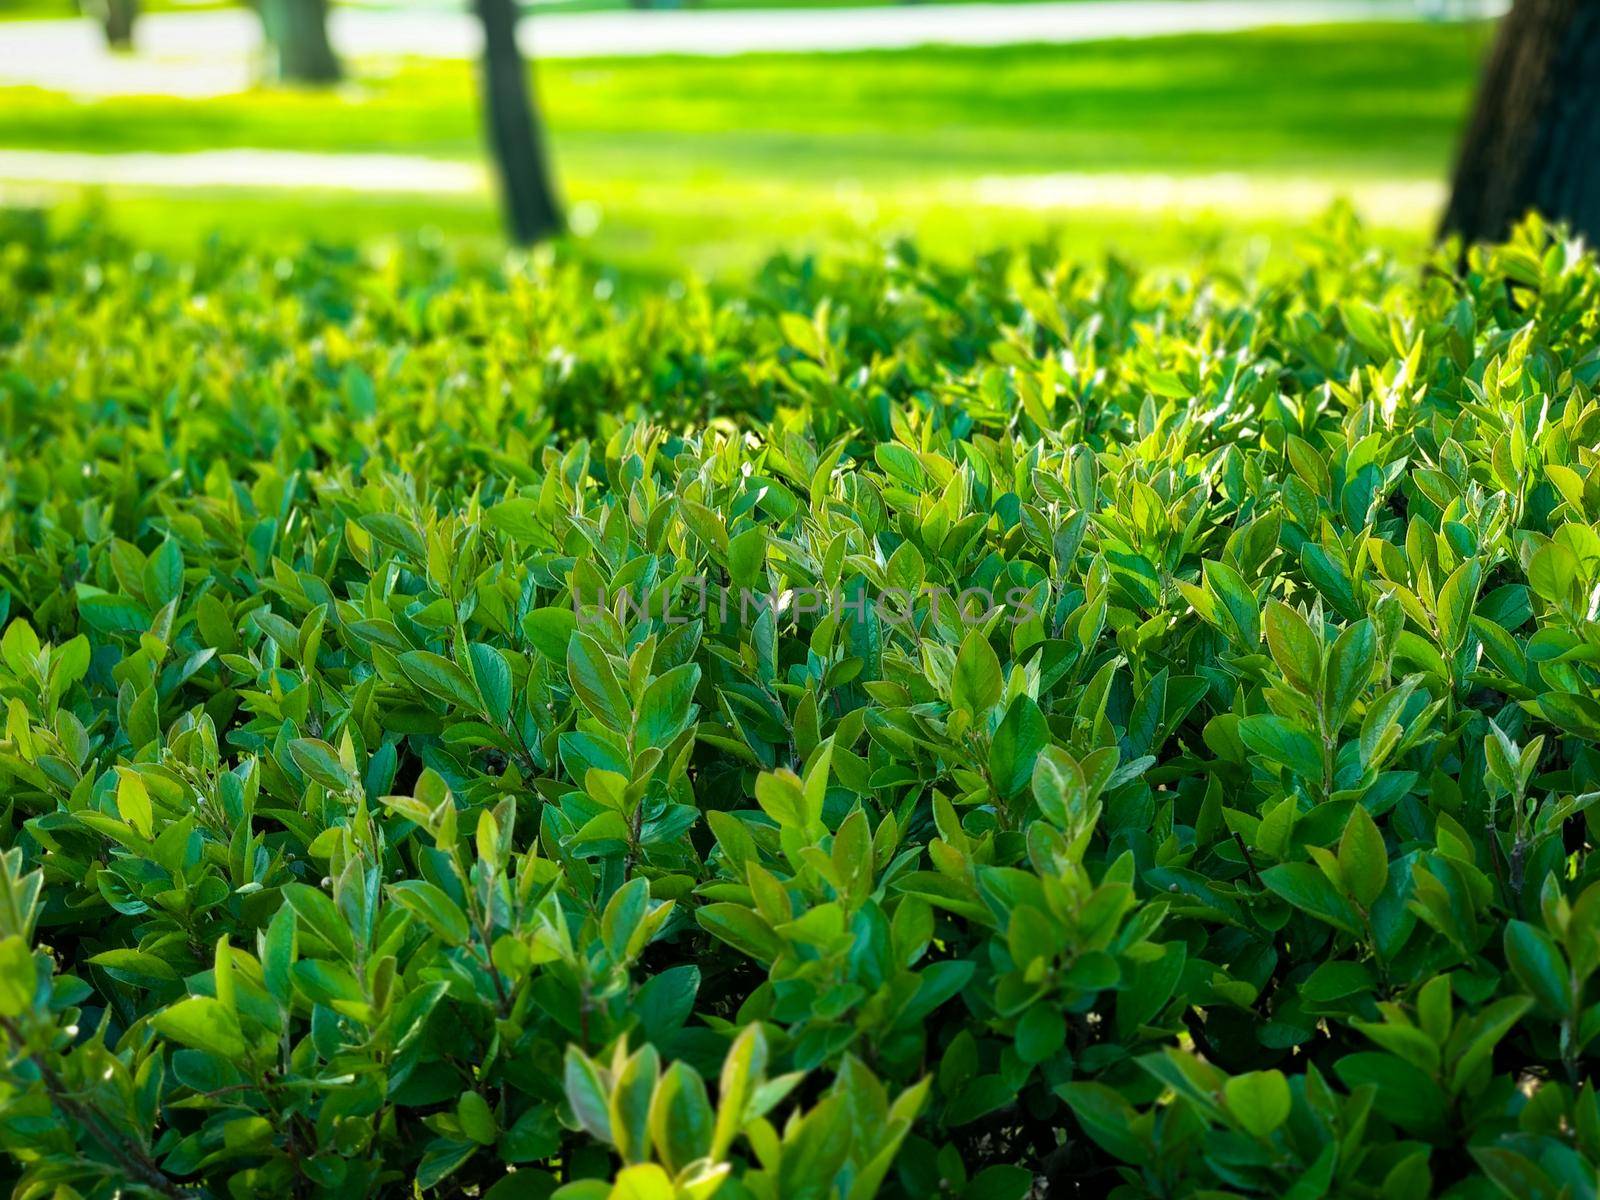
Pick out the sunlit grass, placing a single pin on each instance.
(653, 233)
(1373, 99)
(713, 162)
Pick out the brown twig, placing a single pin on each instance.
(133, 1158)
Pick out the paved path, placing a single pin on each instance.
(212, 53)
(245, 168)
(1397, 202)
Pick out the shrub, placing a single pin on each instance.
(1166, 771)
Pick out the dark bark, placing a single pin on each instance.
(297, 41)
(532, 213)
(116, 19)
(1533, 141)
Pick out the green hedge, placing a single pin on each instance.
(1165, 770)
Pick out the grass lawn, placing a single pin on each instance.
(715, 161)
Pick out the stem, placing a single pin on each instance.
(481, 916)
(132, 1156)
(1249, 860)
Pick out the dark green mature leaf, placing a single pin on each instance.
(664, 712)
(592, 677)
(321, 762)
(1309, 890)
(1238, 601)
(439, 677)
(1350, 663)
(1019, 738)
(1283, 742)
(492, 676)
(1539, 966)
(436, 909)
(318, 914)
(1456, 598)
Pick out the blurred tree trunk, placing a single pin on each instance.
(532, 213)
(297, 41)
(116, 19)
(1534, 137)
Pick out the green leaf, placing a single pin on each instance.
(1579, 715)
(1284, 742)
(978, 1098)
(321, 762)
(204, 1024)
(1309, 890)
(18, 976)
(746, 554)
(136, 963)
(1363, 858)
(976, 684)
(492, 676)
(436, 910)
(1108, 1119)
(1350, 664)
(1002, 1181)
(588, 1094)
(318, 914)
(633, 1088)
(681, 1118)
(742, 929)
(1295, 647)
(743, 1069)
(814, 789)
(476, 1119)
(1041, 1032)
(1552, 572)
(133, 802)
(163, 573)
(1517, 1177)
(1237, 601)
(624, 913)
(1259, 1101)
(1539, 966)
(707, 525)
(549, 631)
(1456, 599)
(20, 648)
(440, 677)
(592, 677)
(111, 614)
(782, 798)
(277, 953)
(1059, 788)
(666, 709)
(396, 531)
(1016, 746)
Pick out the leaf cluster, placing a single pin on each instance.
(388, 811)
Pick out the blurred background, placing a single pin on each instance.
(703, 135)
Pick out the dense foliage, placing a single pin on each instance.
(1169, 772)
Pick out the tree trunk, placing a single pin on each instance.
(1534, 138)
(530, 204)
(297, 41)
(116, 18)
